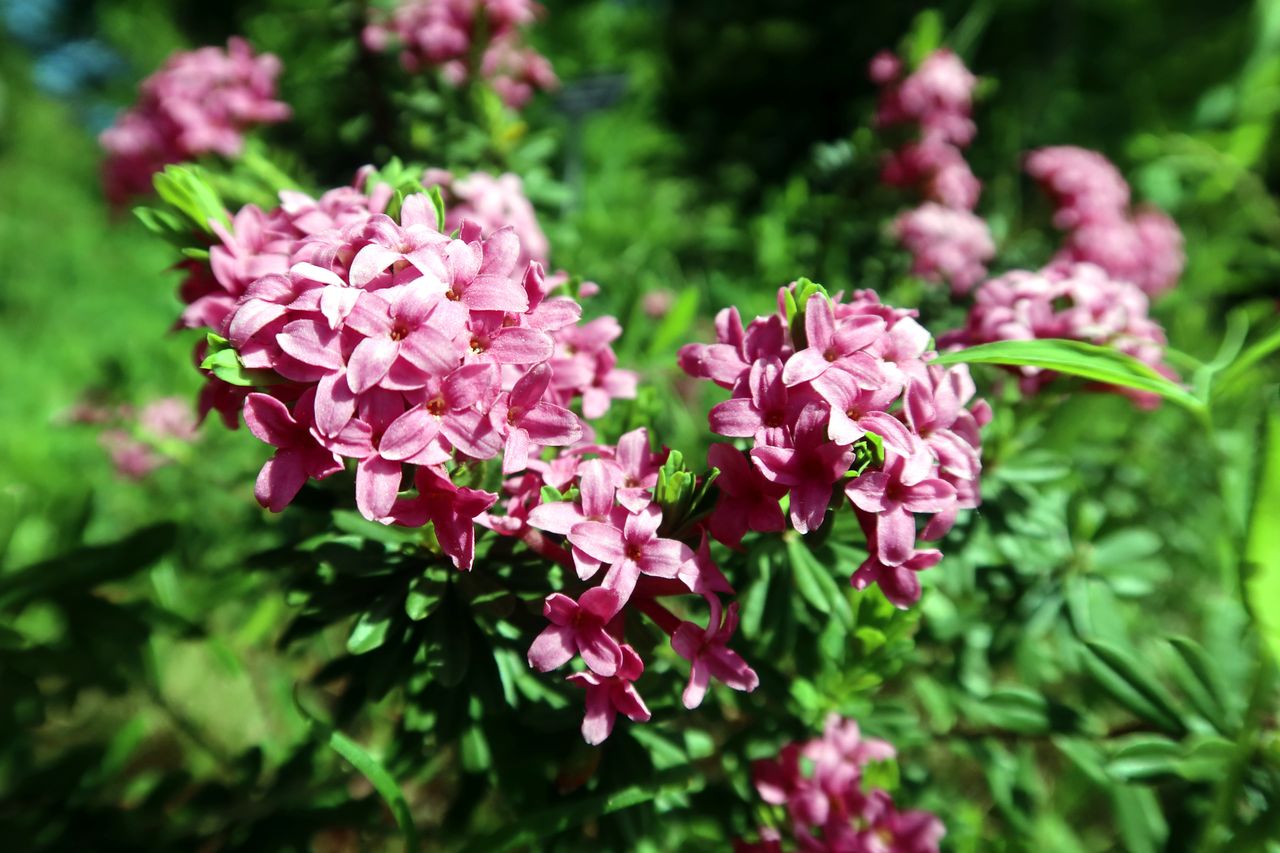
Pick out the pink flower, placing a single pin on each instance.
(450, 509)
(298, 457)
(893, 494)
(833, 344)
(809, 469)
(525, 420)
(948, 244)
(632, 551)
(578, 628)
(492, 203)
(707, 651)
(1083, 184)
(444, 34)
(747, 500)
(200, 102)
(609, 696)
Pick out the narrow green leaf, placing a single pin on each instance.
(1123, 684)
(437, 201)
(1145, 756)
(1263, 550)
(1138, 674)
(677, 322)
(533, 829)
(382, 782)
(1088, 361)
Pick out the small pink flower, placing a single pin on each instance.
(527, 421)
(609, 696)
(707, 651)
(747, 500)
(631, 551)
(893, 494)
(298, 457)
(578, 628)
(809, 469)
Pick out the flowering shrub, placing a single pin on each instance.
(391, 344)
(201, 102)
(467, 39)
(529, 582)
(828, 804)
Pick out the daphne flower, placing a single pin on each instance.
(526, 420)
(747, 500)
(707, 651)
(607, 696)
(298, 455)
(631, 551)
(893, 494)
(810, 468)
(578, 628)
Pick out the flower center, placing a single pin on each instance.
(452, 294)
(437, 407)
(634, 552)
(774, 419)
(479, 345)
(399, 332)
(831, 355)
(514, 414)
(853, 414)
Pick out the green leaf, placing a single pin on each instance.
(814, 581)
(1145, 756)
(382, 782)
(923, 38)
(1088, 361)
(1263, 550)
(1015, 709)
(1127, 682)
(437, 201)
(369, 632)
(1139, 818)
(225, 364)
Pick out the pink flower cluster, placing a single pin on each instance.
(446, 34)
(948, 242)
(1091, 203)
(388, 343)
(1065, 300)
(808, 395)
(493, 202)
(136, 440)
(200, 102)
(617, 539)
(820, 783)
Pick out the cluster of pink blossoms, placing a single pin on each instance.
(946, 239)
(136, 440)
(493, 202)
(1075, 301)
(820, 782)
(389, 343)
(807, 403)
(1091, 203)
(445, 34)
(200, 102)
(615, 538)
